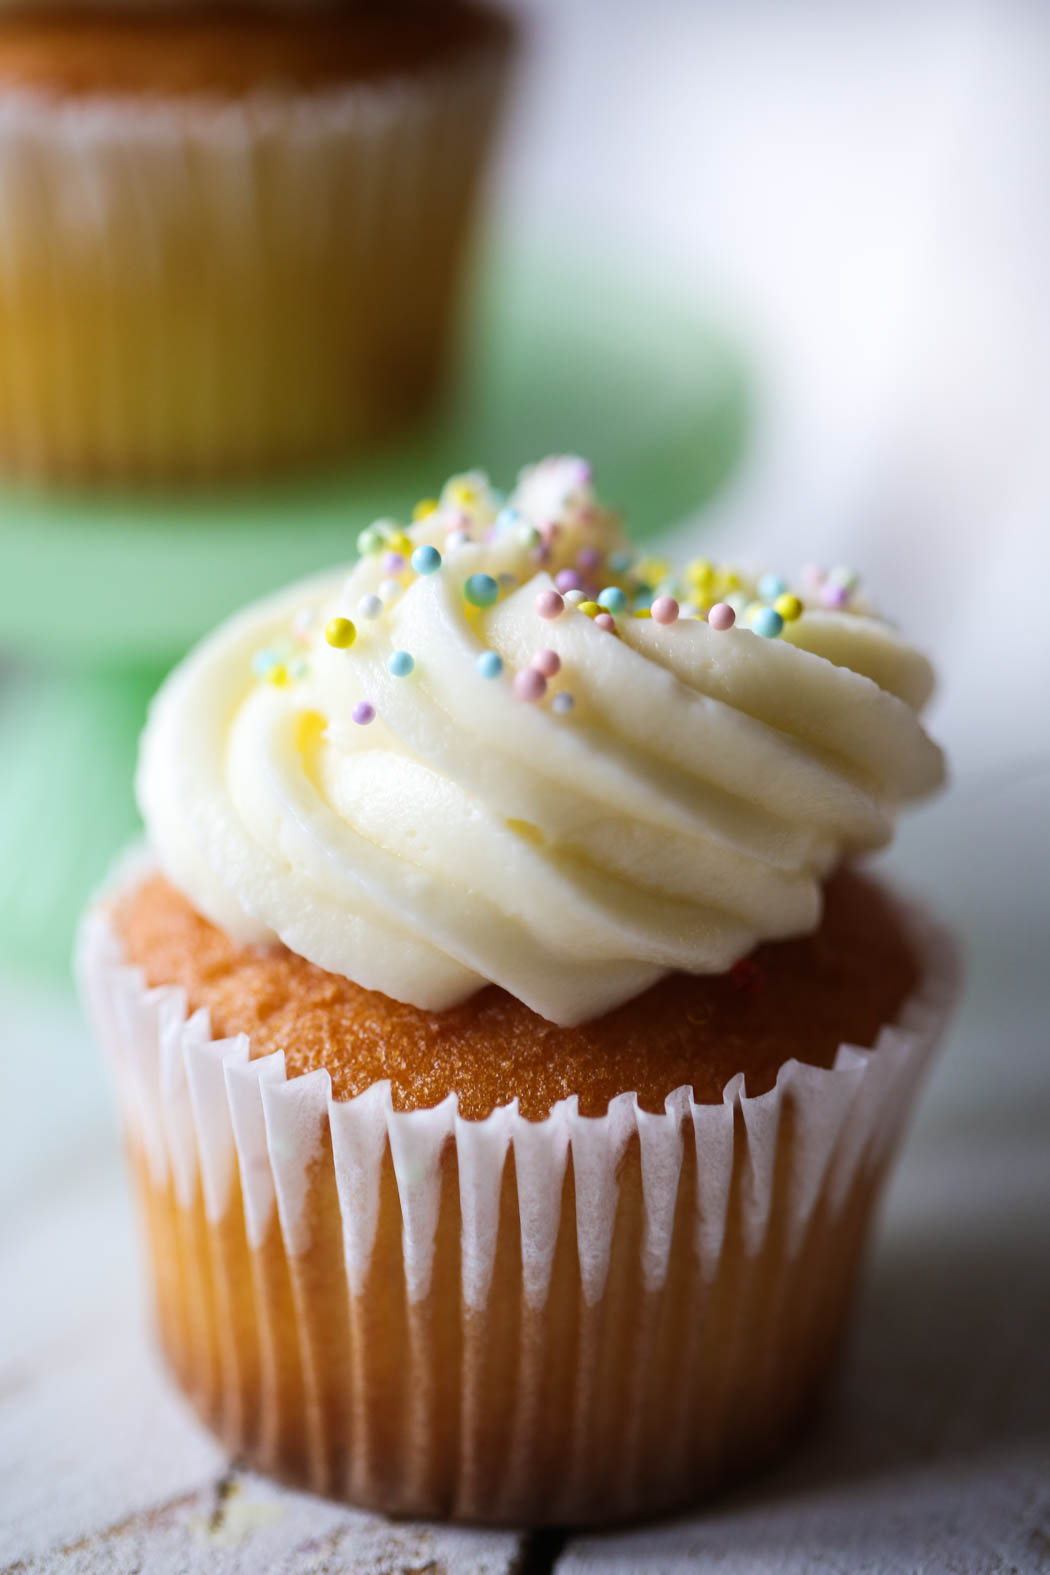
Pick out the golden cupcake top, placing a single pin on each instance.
(505, 748)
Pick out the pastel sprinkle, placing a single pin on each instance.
(620, 562)
(369, 606)
(529, 536)
(563, 703)
(700, 573)
(612, 599)
(568, 580)
(767, 622)
(462, 491)
(574, 597)
(341, 633)
(664, 609)
(832, 595)
(369, 542)
(489, 664)
(530, 685)
(549, 604)
(843, 576)
(426, 560)
(389, 591)
(392, 563)
(401, 663)
(278, 676)
(298, 668)
(424, 508)
(606, 621)
(813, 576)
(546, 662)
(770, 586)
(789, 607)
(363, 713)
(481, 590)
(508, 517)
(590, 608)
(397, 541)
(588, 559)
(263, 662)
(721, 616)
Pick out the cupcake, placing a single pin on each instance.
(232, 238)
(509, 1055)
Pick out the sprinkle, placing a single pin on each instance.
(568, 580)
(721, 616)
(843, 576)
(590, 608)
(664, 609)
(481, 590)
(550, 605)
(278, 676)
(530, 685)
(701, 573)
(529, 536)
(770, 586)
(370, 541)
(575, 597)
(620, 562)
(613, 599)
(263, 662)
(606, 621)
(389, 591)
(298, 668)
(727, 580)
(832, 595)
(462, 491)
(788, 606)
(813, 576)
(642, 612)
(369, 607)
(457, 539)
(426, 560)
(397, 541)
(508, 517)
(363, 713)
(424, 508)
(341, 633)
(563, 703)
(643, 598)
(767, 622)
(546, 662)
(392, 563)
(401, 663)
(489, 664)
(588, 559)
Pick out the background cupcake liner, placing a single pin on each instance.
(574, 1320)
(191, 289)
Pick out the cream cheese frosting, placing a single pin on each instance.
(409, 776)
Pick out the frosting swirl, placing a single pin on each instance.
(684, 809)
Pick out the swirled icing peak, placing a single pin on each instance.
(504, 748)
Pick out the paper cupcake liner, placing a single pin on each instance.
(193, 290)
(576, 1320)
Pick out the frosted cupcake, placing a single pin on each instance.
(232, 240)
(509, 1064)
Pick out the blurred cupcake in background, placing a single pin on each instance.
(232, 239)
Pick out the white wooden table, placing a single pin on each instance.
(934, 1454)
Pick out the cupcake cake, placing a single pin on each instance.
(232, 237)
(509, 1055)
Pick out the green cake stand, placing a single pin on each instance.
(100, 595)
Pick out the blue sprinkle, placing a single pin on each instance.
(767, 622)
(507, 518)
(770, 586)
(263, 661)
(481, 590)
(620, 562)
(426, 560)
(401, 664)
(613, 599)
(563, 702)
(489, 664)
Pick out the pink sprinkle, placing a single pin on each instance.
(549, 604)
(605, 621)
(547, 662)
(664, 609)
(588, 558)
(541, 554)
(530, 685)
(721, 616)
(813, 576)
(363, 713)
(833, 595)
(393, 563)
(568, 580)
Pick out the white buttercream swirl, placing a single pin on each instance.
(685, 810)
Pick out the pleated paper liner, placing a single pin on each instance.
(575, 1321)
(196, 290)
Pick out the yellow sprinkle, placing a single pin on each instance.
(789, 607)
(341, 633)
(462, 492)
(652, 570)
(701, 573)
(401, 543)
(727, 580)
(592, 609)
(278, 676)
(425, 507)
(643, 612)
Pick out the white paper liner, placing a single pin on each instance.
(192, 288)
(203, 1113)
